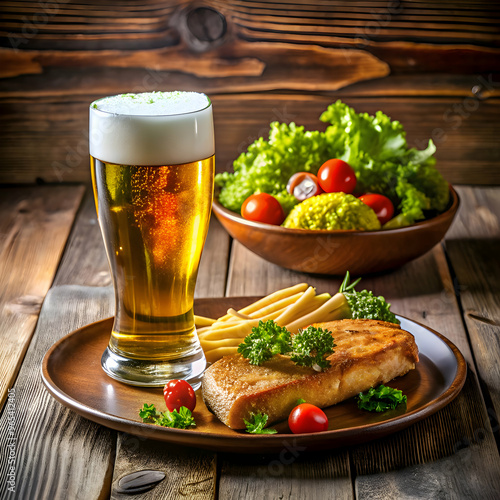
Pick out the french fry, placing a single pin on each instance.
(294, 307)
(319, 315)
(236, 314)
(312, 305)
(227, 327)
(269, 299)
(202, 321)
(267, 311)
(286, 316)
(208, 345)
(239, 331)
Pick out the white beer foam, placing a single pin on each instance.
(153, 128)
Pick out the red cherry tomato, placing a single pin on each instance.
(303, 185)
(263, 207)
(179, 393)
(336, 175)
(307, 418)
(381, 205)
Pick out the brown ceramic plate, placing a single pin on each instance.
(335, 252)
(72, 373)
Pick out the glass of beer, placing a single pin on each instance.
(152, 163)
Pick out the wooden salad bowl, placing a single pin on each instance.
(335, 252)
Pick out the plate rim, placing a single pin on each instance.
(245, 443)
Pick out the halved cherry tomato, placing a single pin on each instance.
(336, 175)
(307, 418)
(263, 207)
(303, 185)
(380, 204)
(179, 393)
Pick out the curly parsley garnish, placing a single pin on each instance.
(365, 305)
(309, 347)
(381, 398)
(148, 413)
(257, 423)
(266, 340)
(182, 419)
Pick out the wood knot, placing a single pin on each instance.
(203, 28)
(206, 24)
(23, 207)
(139, 482)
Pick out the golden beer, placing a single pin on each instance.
(154, 221)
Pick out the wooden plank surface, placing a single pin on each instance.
(419, 462)
(189, 473)
(60, 132)
(149, 24)
(473, 246)
(57, 454)
(291, 473)
(56, 59)
(212, 273)
(84, 262)
(452, 454)
(34, 225)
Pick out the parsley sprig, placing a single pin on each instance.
(309, 347)
(381, 398)
(181, 419)
(266, 340)
(148, 413)
(257, 423)
(365, 305)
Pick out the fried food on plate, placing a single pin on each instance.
(367, 353)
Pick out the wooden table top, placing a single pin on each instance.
(54, 278)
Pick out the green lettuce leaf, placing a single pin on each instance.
(266, 166)
(374, 146)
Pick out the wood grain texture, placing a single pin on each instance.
(251, 66)
(56, 59)
(454, 123)
(28, 263)
(150, 24)
(422, 461)
(84, 261)
(189, 473)
(212, 273)
(473, 247)
(58, 454)
(452, 454)
(292, 473)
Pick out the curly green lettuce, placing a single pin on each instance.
(267, 165)
(374, 146)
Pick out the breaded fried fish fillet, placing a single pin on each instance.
(367, 353)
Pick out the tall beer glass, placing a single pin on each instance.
(152, 160)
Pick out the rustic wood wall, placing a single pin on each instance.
(434, 66)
